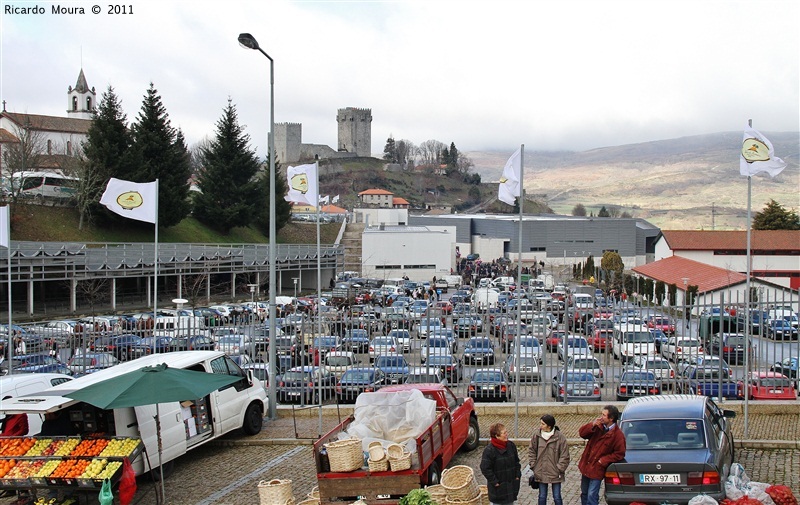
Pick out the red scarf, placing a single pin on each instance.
(500, 444)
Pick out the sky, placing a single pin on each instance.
(485, 75)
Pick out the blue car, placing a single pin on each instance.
(395, 367)
(781, 328)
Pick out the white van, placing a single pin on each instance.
(44, 185)
(485, 298)
(180, 326)
(184, 425)
(633, 340)
(12, 386)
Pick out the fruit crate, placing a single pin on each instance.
(98, 483)
(23, 483)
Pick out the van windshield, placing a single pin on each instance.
(638, 337)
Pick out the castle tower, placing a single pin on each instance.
(288, 138)
(81, 100)
(355, 131)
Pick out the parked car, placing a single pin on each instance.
(192, 343)
(325, 344)
(576, 386)
(425, 375)
(234, 345)
(678, 447)
(381, 345)
(403, 339)
(554, 338)
(781, 329)
(394, 366)
(358, 380)
(661, 368)
(479, 350)
(433, 346)
(573, 346)
(120, 346)
(679, 348)
(731, 347)
(306, 384)
(583, 363)
(788, 367)
(530, 347)
(444, 306)
(706, 361)
(452, 369)
(338, 362)
(767, 386)
(149, 345)
(465, 327)
(489, 384)
(662, 323)
(90, 362)
(526, 367)
(356, 340)
(633, 383)
(29, 363)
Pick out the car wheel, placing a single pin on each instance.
(253, 420)
(434, 474)
(473, 435)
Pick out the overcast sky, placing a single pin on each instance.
(486, 75)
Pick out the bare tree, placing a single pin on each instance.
(25, 154)
(464, 164)
(194, 289)
(196, 154)
(89, 186)
(406, 151)
(430, 152)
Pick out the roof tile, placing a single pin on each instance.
(674, 269)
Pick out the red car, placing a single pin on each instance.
(767, 386)
(445, 307)
(600, 340)
(554, 338)
(662, 323)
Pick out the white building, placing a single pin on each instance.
(420, 252)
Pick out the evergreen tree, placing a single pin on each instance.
(283, 209)
(452, 160)
(390, 150)
(776, 217)
(603, 212)
(228, 183)
(579, 210)
(162, 155)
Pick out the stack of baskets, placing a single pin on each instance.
(378, 462)
(345, 455)
(275, 492)
(312, 497)
(460, 485)
(438, 493)
(399, 458)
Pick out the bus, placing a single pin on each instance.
(44, 185)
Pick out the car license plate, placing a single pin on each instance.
(488, 388)
(352, 390)
(659, 478)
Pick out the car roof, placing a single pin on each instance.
(665, 407)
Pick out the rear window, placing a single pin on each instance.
(338, 360)
(638, 337)
(356, 376)
(638, 376)
(437, 342)
(390, 361)
(487, 377)
(663, 434)
(297, 376)
(658, 364)
(774, 382)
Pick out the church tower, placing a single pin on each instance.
(81, 100)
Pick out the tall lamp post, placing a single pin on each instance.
(249, 42)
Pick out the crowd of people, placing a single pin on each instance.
(548, 459)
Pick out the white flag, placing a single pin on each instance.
(335, 199)
(5, 232)
(134, 200)
(324, 200)
(758, 155)
(509, 182)
(302, 185)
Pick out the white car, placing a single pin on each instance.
(678, 348)
(573, 346)
(383, 345)
(528, 346)
(434, 346)
(428, 325)
(403, 338)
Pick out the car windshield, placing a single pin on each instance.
(479, 343)
(736, 340)
(585, 363)
(658, 364)
(382, 341)
(295, 375)
(529, 342)
(339, 360)
(441, 360)
(357, 376)
(390, 361)
(668, 434)
(325, 342)
(437, 342)
(229, 339)
(487, 377)
(528, 361)
(577, 343)
(688, 343)
(578, 377)
(639, 337)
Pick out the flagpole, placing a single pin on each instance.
(155, 280)
(519, 285)
(7, 226)
(319, 287)
(747, 319)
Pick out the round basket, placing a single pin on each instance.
(459, 482)
(275, 492)
(376, 452)
(484, 494)
(474, 501)
(401, 463)
(395, 451)
(314, 494)
(438, 493)
(345, 455)
(381, 465)
(309, 501)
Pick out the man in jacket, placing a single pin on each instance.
(606, 445)
(501, 467)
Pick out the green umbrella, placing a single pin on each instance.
(149, 385)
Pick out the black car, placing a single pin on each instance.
(634, 383)
(356, 340)
(31, 363)
(119, 346)
(730, 347)
(192, 343)
(479, 350)
(678, 447)
(450, 367)
(358, 380)
(489, 384)
(306, 384)
(149, 345)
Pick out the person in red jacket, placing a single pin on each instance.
(14, 425)
(606, 445)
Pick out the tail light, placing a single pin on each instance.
(561, 391)
(339, 389)
(503, 389)
(369, 389)
(672, 374)
(727, 349)
(282, 384)
(654, 391)
(702, 478)
(619, 478)
(600, 374)
(311, 385)
(371, 349)
(623, 389)
(392, 349)
(597, 390)
(678, 349)
(471, 387)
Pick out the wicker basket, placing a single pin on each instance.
(438, 493)
(275, 492)
(309, 501)
(459, 482)
(314, 494)
(376, 451)
(484, 494)
(395, 451)
(400, 463)
(474, 501)
(381, 465)
(345, 455)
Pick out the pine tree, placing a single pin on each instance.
(452, 160)
(390, 150)
(283, 209)
(227, 180)
(163, 156)
(776, 217)
(603, 212)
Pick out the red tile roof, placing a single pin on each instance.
(672, 270)
(765, 240)
(50, 123)
(7, 136)
(332, 209)
(399, 201)
(375, 192)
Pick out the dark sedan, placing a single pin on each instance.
(781, 329)
(576, 386)
(359, 380)
(394, 366)
(450, 367)
(119, 346)
(306, 384)
(192, 343)
(633, 383)
(32, 363)
(678, 447)
(489, 384)
(479, 350)
(149, 345)
(356, 340)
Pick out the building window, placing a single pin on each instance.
(88, 103)
(49, 146)
(74, 103)
(69, 147)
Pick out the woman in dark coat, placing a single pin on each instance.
(501, 467)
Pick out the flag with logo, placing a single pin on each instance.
(134, 200)
(509, 182)
(5, 222)
(758, 155)
(302, 184)
(335, 199)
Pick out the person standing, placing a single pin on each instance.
(548, 456)
(606, 445)
(501, 467)
(21, 348)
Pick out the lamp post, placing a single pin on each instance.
(249, 42)
(686, 301)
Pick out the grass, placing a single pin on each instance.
(39, 223)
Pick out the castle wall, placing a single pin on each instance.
(288, 142)
(355, 131)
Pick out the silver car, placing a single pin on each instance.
(383, 345)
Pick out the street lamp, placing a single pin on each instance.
(249, 42)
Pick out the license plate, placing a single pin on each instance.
(488, 388)
(353, 390)
(659, 478)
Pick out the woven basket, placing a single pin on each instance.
(474, 501)
(381, 465)
(275, 492)
(484, 494)
(376, 452)
(459, 482)
(314, 494)
(309, 501)
(395, 451)
(438, 493)
(345, 455)
(400, 463)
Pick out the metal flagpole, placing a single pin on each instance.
(519, 286)
(155, 281)
(747, 319)
(319, 293)
(7, 226)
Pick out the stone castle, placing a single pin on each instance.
(354, 138)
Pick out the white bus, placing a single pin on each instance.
(44, 185)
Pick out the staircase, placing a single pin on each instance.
(351, 240)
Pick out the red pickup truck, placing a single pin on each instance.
(456, 426)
